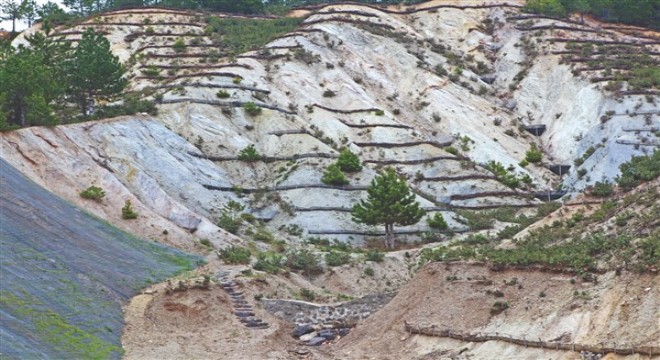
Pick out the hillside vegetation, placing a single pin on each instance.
(335, 152)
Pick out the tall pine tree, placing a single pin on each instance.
(390, 202)
(93, 71)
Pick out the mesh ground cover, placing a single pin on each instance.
(65, 274)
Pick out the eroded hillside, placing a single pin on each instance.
(452, 95)
(437, 90)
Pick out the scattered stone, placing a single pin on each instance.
(301, 330)
(301, 351)
(317, 341)
(489, 79)
(308, 337)
(327, 334)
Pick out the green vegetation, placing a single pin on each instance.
(643, 12)
(334, 176)
(235, 255)
(348, 161)
(307, 294)
(230, 217)
(249, 154)
(236, 36)
(481, 220)
(336, 258)
(37, 83)
(179, 45)
(375, 256)
(57, 331)
(127, 212)
(437, 222)
(269, 262)
(390, 202)
(93, 71)
(222, 94)
(94, 193)
(639, 169)
(304, 261)
(368, 271)
(602, 189)
(533, 155)
(506, 176)
(251, 108)
(571, 243)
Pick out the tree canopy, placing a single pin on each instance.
(389, 202)
(636, 12)
(93, 70)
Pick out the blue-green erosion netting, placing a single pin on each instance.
(65, 274)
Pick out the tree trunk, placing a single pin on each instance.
(389, 235)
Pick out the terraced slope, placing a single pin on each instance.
(66, 274)
(396, 85)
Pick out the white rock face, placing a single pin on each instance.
(390, 107)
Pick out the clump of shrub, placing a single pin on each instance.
(93, 193)
(251, 108)
(533, 155)
(334, 176)
(498, 307)
(235, 255)
(127, 212)
(437, 221)
(249, 154)
(602, 189)
(230, 217)
(222, 94)
(304, 261)
(307, 294)
(369, 271)
(179, 45)
(335, 258)
(639, 169)
(375, 256)
(269, 262)
(348, 161)
(329, 93)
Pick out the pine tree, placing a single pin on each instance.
(390, 202)
(94, 71)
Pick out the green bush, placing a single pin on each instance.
(249, 154)
(533, 155)
(452, 150)
(334, 176)
(375, 256)
(335, 258)
(329, 93)
(94, 193)
(307, 294)
(179, 45)
(235, 255)
(602, 189)
(238, 35)
(269, 262)
(348, 161)
(151, 71)
(498, 307)
(304, 261)
(127, 212)
(503, 175)
(230, 217)
(263, 235)
(437, 221)
(251, 108)
(222, 94)
(639, 169)
(369, 271)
